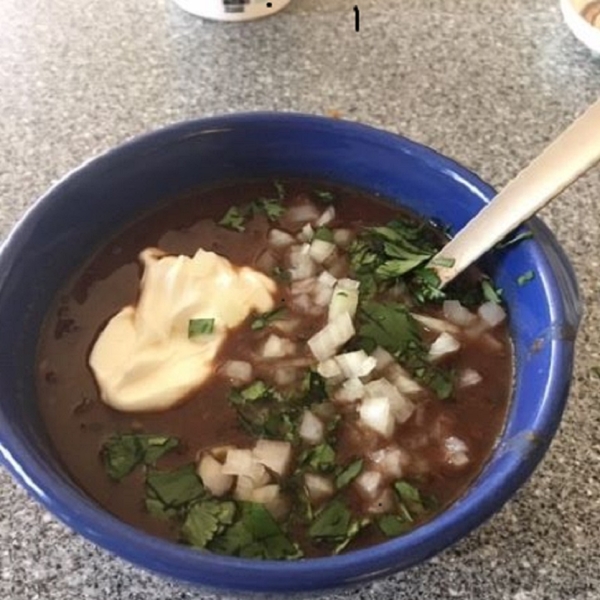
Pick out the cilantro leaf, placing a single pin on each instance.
(489, 292)
(332, 522)
(205, 520)
(324, 234)
(174, 488)
(393, 525)
(356, 526)
(159, 510)
(234, 219)
(515, 239)
(265, 319)
(349, 474)
(410, 497)
(198, 327)
(321, 458)
(122, 453)
(270, 208)
(255, 534)
(525, 277)
(324, 196)
(314, 388)
(389, 325)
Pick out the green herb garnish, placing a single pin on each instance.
(174, 488)
(255, 534)
(205, 520)
(349, 474)
(321, 458)
(234, 219)
(489, 292)
(270, 208)
(511, 241)
(266, 319)
(324, 196)
(122, 453)
(525, 278)
(334, 524)
(393, 525)
(198, 327)
(324, 234)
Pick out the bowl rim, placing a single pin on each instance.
(244, 575)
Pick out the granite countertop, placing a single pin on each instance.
(487, 82)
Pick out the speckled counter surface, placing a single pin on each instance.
(487, 82)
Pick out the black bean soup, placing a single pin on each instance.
(360, 406)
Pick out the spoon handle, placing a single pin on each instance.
(562, 162)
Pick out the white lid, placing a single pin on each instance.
(232, 10)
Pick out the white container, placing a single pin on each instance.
(232, 10)
(583, 30)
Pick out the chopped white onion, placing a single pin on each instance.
(307, 233)
(436, 324)
(383, 357)
(238, 462)
(273, 454)
(369, 483)
(311, 429)
(343, 237)
(319, 487)
(324, 343)
(302, 213)
(444, 344)
(244, 488)
(493, 314)
(401, 408)
(286, 325)
(302, 264)
(322, 296)
(265, 494)
(258, 474)
(320, 250)
(355, 364)
(276, 346)
(326, 217)
(350, 391)
(326, 278)
(469, 377)
(345, 298)
(391, 461)
(402, 380)
(376, 413)
(456, 451)
(240, 370)
(280, 239)
(329, 368)
(455, 312)
(210, 471)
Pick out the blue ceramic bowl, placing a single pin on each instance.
(88, 205)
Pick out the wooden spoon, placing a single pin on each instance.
(570, 155)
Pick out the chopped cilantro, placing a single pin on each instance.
(324, 234)
(410, 498)
(334, 524)
(270, 208)
(234, 219)
(489, 292)
(174, 488)
(349, 474)
(389, 325)
(198, 327)
(258, 390)
(159, 510)
(265, 319)
(393, 525)
(515, 239)
(122, 453)
(525, 278)
(321, 458)
(205, 520)
(255, 534)
(331, 522)
(324, 196)
(314, 388)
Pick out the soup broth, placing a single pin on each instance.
(328, 439)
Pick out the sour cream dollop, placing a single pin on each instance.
(143, 360)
